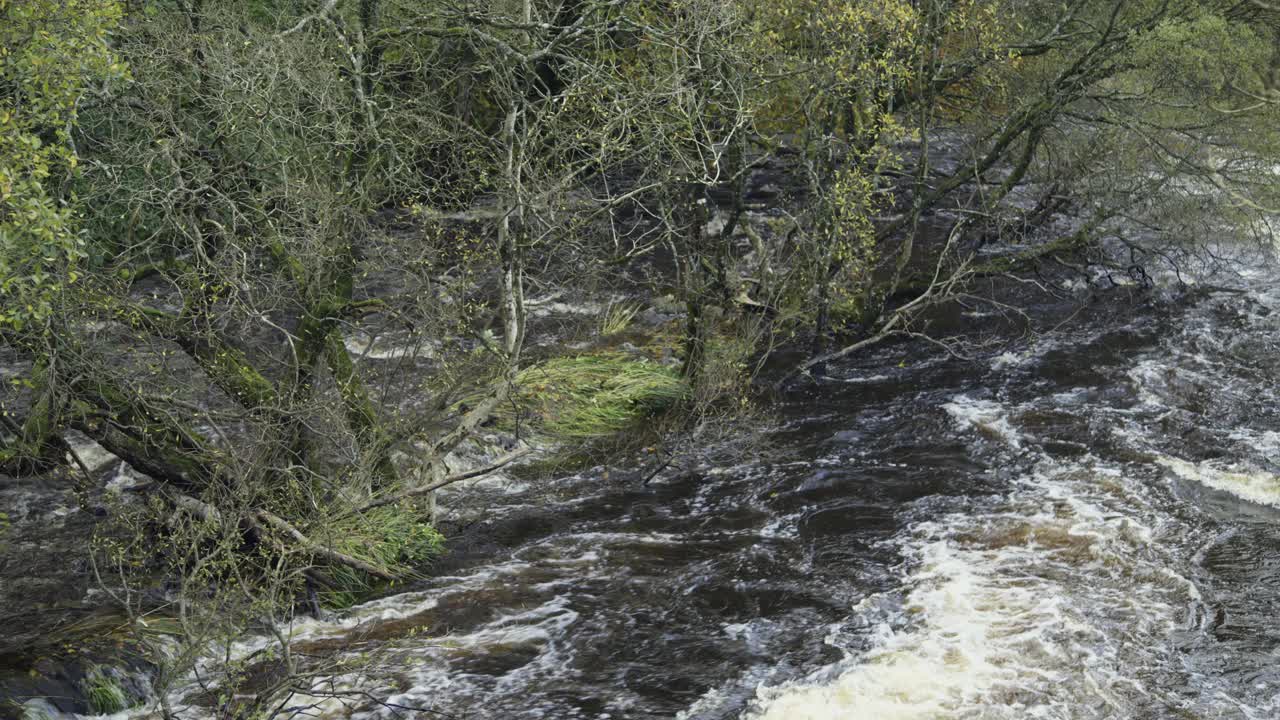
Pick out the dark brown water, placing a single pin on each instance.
(1086, 525)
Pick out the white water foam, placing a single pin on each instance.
(1051, 604)
(1251, 484)
(986, 416)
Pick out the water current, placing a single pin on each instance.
(1085, 526)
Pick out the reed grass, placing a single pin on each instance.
(588, 397)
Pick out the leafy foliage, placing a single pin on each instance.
(51, 53)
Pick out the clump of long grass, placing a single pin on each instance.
(594, 396)
(396, 538)
(103, 694)
(617, 317)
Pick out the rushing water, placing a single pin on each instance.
(1087, 526)
(1123, 565)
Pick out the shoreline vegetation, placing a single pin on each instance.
(304, 266)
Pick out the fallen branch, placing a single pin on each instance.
(425, 489)
(844, 351)
(198, 508)
(471, 420)
(208, 513)
(939, 290)
(319, 550)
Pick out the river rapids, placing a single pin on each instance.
(1084, 526)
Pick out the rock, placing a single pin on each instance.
(95, 457)
(37, 709)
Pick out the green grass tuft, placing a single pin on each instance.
(396, 537)
(617, 317)
(103, 693)
(594, 396)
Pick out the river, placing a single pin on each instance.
(1081, 525)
